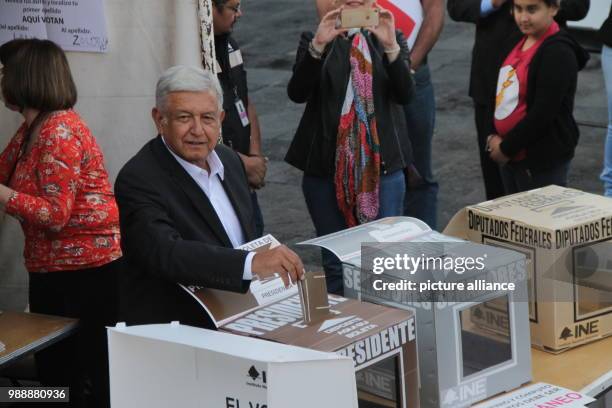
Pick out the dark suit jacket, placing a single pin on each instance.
(170, 233)
(496, 34)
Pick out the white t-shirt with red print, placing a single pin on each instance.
(511, 95)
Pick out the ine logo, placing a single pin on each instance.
(257, 378)
(580, 330)
(566, 334)
(451, 397)
(464, 394)
(253, 373)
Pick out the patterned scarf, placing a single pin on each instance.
(357, 175)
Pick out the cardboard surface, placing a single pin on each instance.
(580, 369)
(21, 333)
(174, 365)
(566, 235)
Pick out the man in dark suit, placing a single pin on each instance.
(184, 206)
(496, 33)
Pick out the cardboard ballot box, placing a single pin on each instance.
(171, 365)
(566, 236)
(381, 341)
(471, 344)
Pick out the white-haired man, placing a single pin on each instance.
(184, 206)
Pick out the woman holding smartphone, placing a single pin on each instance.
(351, 142)
(535, 131)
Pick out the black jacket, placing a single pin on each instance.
(494, 33)
(605, 32)
(549, 131)
(234, 84)
(170, 233)
(322, 85)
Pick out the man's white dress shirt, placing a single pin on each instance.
(212, 187)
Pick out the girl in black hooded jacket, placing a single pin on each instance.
(535, 133)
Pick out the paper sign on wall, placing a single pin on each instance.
(76, 25)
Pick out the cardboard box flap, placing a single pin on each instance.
(548, 208)
(346, 244)
(457, 226)
(225, 343)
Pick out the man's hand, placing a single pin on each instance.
(256, 167)
(279, 260)
(493, 142)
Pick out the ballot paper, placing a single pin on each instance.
(313, 297)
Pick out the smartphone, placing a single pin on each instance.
(359, 17)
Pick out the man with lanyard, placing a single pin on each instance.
(421, 189)
(241, 129)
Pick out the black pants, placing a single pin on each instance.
(493, 184)
(517, 177)
(80, 361)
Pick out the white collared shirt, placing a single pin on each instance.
(212, 187)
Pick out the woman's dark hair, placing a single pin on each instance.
(8, 50)
(36, 75)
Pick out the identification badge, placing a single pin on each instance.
(244, 116)
(235, 58)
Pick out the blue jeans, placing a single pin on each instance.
(517, 177)
(421, 201)
(320, 196)
(606, 175)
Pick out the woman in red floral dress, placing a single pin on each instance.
(53, 180)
